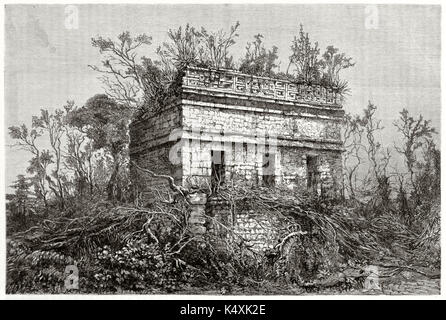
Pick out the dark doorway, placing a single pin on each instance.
(312, 174)
(218, 169)
(268, 169)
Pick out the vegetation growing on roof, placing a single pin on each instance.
(141, 82)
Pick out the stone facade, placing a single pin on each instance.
(230, 126)
(256, 230)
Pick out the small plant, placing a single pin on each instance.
(258, 61)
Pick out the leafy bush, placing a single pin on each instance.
(135, 267)
(35, 271)
(125, 249)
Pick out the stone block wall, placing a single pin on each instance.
(293, 169)
(238, 121)
(243, 129)
(243, 162)
(151, 142)
(148, 132)
(240, 134)
(257, 231)
(290, 123)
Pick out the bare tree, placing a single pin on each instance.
(378, 156)
(79, 159)
(41, 159)
(54, 125)
(120, 70)
(353, 132)
(364, 151)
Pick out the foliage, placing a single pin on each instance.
(258, 61)
(309, 68)
(46, 165)
(80, 158)
(87, 156)
(122, 249)
(184, 48)
(352, 135)
(332, 63)
(216, 45)
(54, 125)
(414, 133)
(145, 84)
(41, 158)
(74, 207)
(406, 199)
(304, 58)
(20, 210)
(364, 152)
(428, 176)
(120, 72)
(105, 123)
(323, 236)
(38, 271)
(131, 249)
(135, 267)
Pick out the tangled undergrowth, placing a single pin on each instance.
(150, 250)
(338, 236)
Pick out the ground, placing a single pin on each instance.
(416, 285)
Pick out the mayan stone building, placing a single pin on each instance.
(225, 125)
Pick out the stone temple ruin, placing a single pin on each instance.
(224, 125)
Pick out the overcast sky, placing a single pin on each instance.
(397, 60)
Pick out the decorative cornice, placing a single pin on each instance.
(243, 85)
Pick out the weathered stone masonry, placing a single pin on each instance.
(244, 121)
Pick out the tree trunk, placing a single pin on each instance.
(112, 182)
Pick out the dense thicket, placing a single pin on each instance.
(74, 204)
